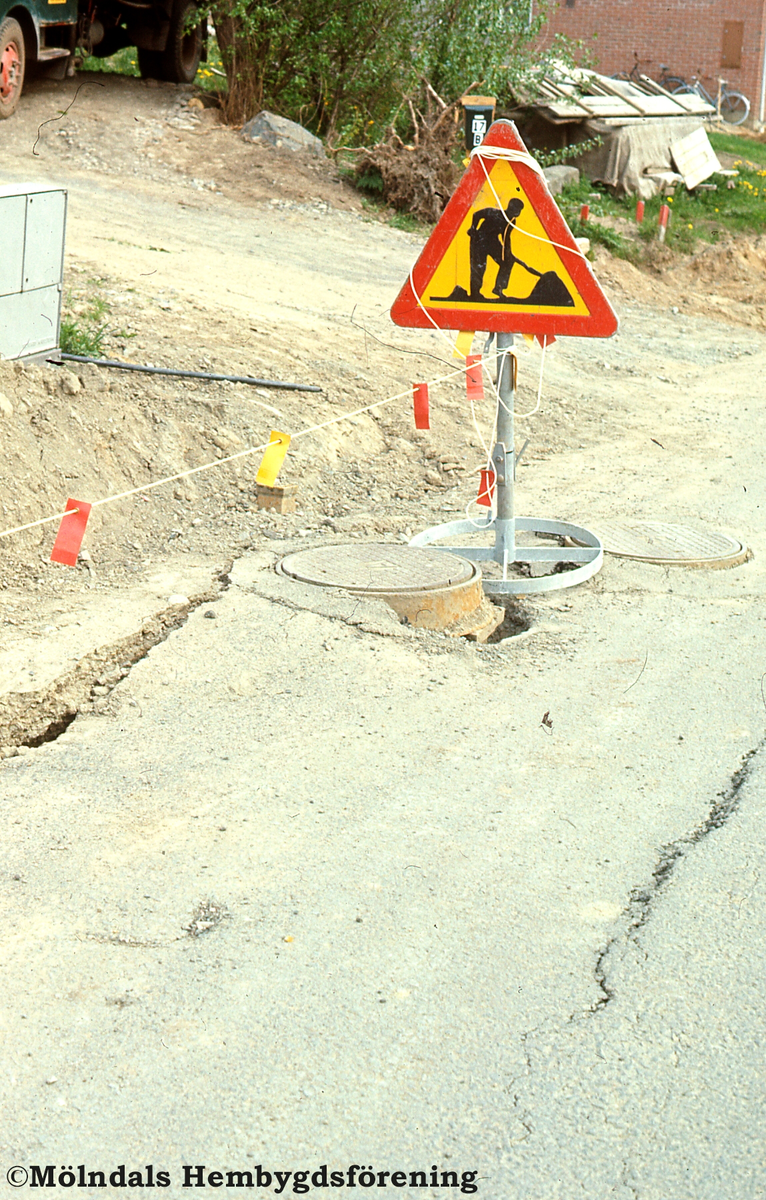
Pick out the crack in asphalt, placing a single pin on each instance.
(361, 624)
(33, 720)
(642, 899)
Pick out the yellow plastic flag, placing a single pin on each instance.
(463, 345)
(273, 457)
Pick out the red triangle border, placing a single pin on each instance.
(601, 320)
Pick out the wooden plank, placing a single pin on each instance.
(568, 96)
(695, 158)
(609, 85)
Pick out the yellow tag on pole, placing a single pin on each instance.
(273, 457)
(463, 345)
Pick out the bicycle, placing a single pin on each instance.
(730, 105)
(669, 82)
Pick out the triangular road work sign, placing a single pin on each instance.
(502, 258)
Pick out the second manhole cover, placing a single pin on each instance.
(671, 545)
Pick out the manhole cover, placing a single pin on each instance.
(426, 588)
(671, 545)
(378, 569)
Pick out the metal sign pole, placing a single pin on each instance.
(464, 279)
(503, 453)
(578, 551)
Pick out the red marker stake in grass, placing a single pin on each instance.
(420, 405)
(664, 218)
(585, 212)
(71, 532)
(639, 212)
(474, 383)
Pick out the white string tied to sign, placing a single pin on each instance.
(220, 462)
(505, 152)
(497, 153)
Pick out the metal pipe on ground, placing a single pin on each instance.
(210, 376)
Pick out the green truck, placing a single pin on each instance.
(46, 35)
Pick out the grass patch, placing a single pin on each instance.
(738, 205)
(124, 62)
(601, 204)
(741, 147)
(378, 209)
(602, 235)
(210, 77)
(84, 326)
(407, 222)
(85, 323)
(707, 215)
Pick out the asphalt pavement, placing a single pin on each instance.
(320, 889)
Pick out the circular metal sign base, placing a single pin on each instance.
(671, 545)
(567, 567)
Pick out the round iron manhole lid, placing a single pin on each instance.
(670, 545)
(375, 568)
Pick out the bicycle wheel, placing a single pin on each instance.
(735, 108)
(673, 84)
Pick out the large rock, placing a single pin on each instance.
(560, 177)
(278, 131)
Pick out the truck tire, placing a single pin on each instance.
(181, 57)
(12, 62)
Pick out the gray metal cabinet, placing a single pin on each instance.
(32, 227)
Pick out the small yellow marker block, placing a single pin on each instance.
(463, 345)
(273, 457)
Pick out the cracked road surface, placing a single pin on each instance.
(324, 890)
(308, 888)
(667, 1078)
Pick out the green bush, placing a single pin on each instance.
(346, 68)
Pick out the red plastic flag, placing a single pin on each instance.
(71, 532)
(474, 384)
(420, 404)
(486, 487)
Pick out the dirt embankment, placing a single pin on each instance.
(726, 280)
(91, 434)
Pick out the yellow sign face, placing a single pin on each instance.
(502, 257)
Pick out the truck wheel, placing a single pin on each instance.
(11, 66)
(181, 57)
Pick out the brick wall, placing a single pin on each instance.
(686, 34)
